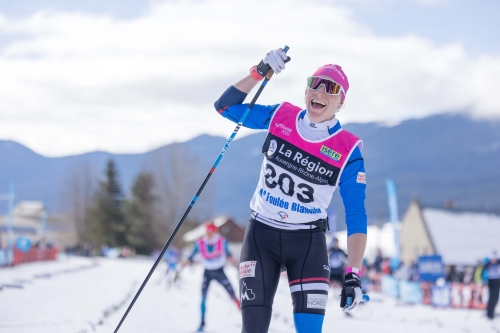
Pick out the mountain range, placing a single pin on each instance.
(434, 159)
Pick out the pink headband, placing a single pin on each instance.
(335, 73)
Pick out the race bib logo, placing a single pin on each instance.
(285, 130)
(316, 301)
(246, 293)
(273, 146)
(247, 269)
(282, 215)
(330, 153)
(361, 179)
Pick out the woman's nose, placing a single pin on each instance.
(321, 89)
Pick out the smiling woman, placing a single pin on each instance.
(325, 93)
(307, 155)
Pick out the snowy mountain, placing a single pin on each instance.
(433, 159)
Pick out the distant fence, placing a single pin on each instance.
(33, 254)
(454, 295)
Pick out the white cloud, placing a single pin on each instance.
(421, 2)
(76, 82)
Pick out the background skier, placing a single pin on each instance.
(214, 253)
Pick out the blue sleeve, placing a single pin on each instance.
(353, 194)
(231, 96)
(226, 248)
(230, 106)
(195, 251)
(258, 118)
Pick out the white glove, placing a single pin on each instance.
(276, 60)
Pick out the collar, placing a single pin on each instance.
(331, 126)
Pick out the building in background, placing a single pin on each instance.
(31, 221)
(460, 237)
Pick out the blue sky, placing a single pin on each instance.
(154, 69)
(117, 8)
(474, 23)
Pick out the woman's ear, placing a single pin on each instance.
(341, 105)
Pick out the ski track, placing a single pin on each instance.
(81, 295)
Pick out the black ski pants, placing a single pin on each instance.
(267, 251)
(219, 276)
(494, 290)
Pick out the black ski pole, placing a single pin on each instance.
(195, 198)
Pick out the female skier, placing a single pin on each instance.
(307, 155)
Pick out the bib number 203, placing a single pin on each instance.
(306, 192)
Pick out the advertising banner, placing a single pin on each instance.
(430, 268)
(441, 295)
(410, 292)
(390, 286)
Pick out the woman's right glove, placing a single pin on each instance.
(274, 60)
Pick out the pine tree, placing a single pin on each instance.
(141, 213)
(108, 221)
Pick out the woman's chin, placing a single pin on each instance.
(314, 116)
(319, 116)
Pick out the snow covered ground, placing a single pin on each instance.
(78, 295)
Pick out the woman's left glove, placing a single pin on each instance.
(351, 294)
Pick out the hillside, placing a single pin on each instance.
(433, 159)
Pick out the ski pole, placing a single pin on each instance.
(195, 198)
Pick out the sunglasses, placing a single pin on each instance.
(331, 87)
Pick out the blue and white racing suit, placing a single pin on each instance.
(271, 246)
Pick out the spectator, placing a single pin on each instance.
(104, 249)
(468, 275)
(493, 270)
(478, 273)
(338, 260)
(403, 272)
(87, 248)
(453, 275)
(386, 266)
(460, 273)
(414, 276)
(377, 264)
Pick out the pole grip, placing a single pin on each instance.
(269, 75)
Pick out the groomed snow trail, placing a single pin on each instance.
(80, 295)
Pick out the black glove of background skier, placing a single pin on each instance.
(351, 288)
